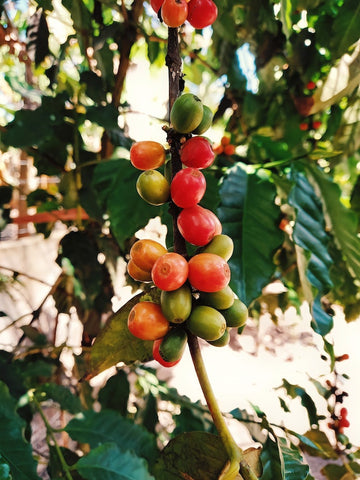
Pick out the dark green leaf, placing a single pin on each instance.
(105, 116)
(341, 221)
(147, 416)
(37, 37)
(115, 394)
(108, 462)
(116, 183)
(346, 27)
(97, 428)
(5, 194)
(60, 394)
(248, 215)
(55, 469)
(16, 452)
(94, 85)
(309, 233)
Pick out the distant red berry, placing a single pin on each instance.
(311, 85)
(317, 124)
(229, 149)
(343, 357)
(303, 126)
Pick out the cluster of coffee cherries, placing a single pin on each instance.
(199, 13)
(195, 295)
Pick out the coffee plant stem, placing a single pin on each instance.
(50, 432)
(235, 453)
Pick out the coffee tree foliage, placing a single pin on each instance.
(285, 76)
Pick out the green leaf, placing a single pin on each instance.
(97, 428)
(37, 37)
(60, 394)
(320, 445)
(295, 391)
(295, 468)
(346, 27)
(309, 234)
(4, 470)
(116, 344)
(16, 452)
(108, 462)
(196, 455)
(282, 461)
(249, 215)
(285, 16)
(81, 18)
(115, 393)
(105, 116)
(115, 182)
(341, 221)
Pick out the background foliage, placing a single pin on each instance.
(282, 78)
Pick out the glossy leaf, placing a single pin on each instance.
(97, 428)
(108, 462)
(341, 221)
(13, 448)
(309, 234)
(248, 215)
(116, 344)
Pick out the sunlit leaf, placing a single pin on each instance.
(116, 344)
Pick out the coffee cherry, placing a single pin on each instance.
(197, 152)
(188, 187)
(202, 13)
(147, 322)
(206, 322)
(153, 187)
(170, 271)
(147, 155)
(208, 272)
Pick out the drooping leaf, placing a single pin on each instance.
(16, 452)
(341, 221)
(97, 428)
(309, 234)
(248, 215)
(323, 447)
(197, 455)
(116, 344)
(108, 462)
